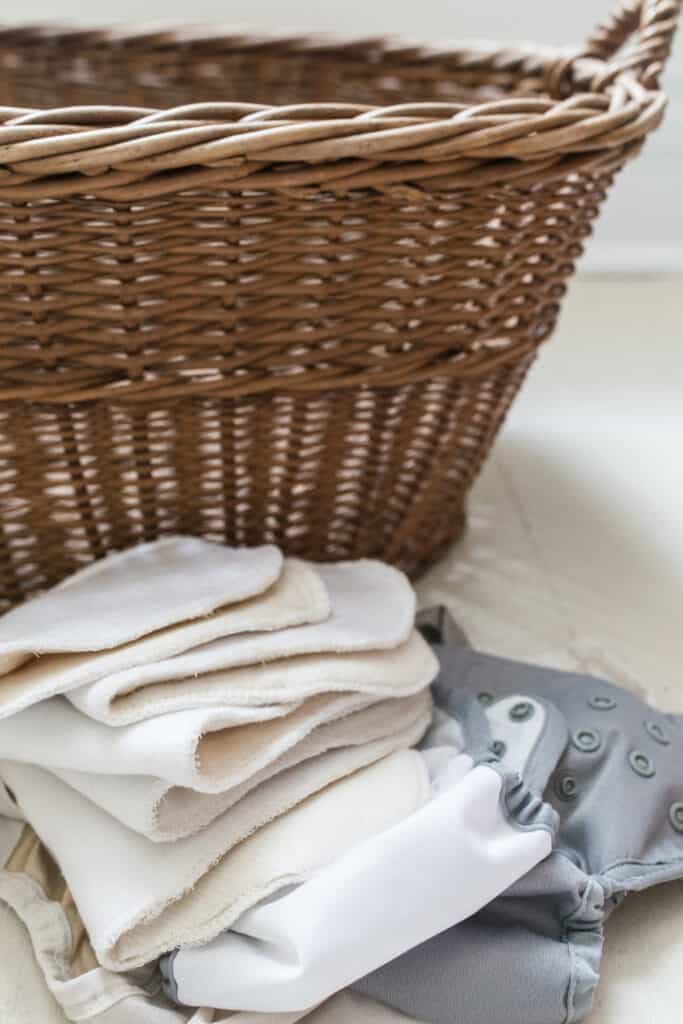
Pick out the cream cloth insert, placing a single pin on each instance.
(189, 891)
(298, 597)
(165, 813)
(134, 592)
(206, 749)
(54, 734)
(393, 673)
(372, 609)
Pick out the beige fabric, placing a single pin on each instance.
(163, 813)
(387, 673)
(25, 997)
(226, 759)
(298, 597)
(122, 598)
(372, 609)
(59, 971)
(32, 859)
(189, 891)
(56, 735)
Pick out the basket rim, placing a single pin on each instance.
(592, 108)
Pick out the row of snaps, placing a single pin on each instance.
(588, 741)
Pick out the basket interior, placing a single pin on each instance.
(38, 70)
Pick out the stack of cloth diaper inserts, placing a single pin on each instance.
(227, 795)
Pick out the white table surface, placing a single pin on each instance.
(573, 558)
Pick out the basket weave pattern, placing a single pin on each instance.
(301, 323)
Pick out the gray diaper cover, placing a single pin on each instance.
(532, 956)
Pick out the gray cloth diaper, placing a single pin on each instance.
(532, 956)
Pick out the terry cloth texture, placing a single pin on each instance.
(372, 611)
(617, 788)
(298, 597)
(189, 891)
(120, 599)
(163, 812)
(398, 672)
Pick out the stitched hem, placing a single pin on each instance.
(635, 875)
(195, 822)
(121, 949)
(83, 996)
(583, 935)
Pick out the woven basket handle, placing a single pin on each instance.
(653, 21)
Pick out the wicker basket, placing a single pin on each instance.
(300, 322)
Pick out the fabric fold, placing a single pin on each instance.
(294, 951)
(378, 674)
(98, 996)
(297, 597)
(121, 599)
(372, 611)
(165, 813)
(209, 750)
(189, 891)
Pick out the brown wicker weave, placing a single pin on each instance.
(274, 318)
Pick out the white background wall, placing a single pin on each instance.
(642, 227)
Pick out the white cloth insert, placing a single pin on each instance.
(372, 610)
(55, 735)
(124, 597)
(163, 812)
(189, 891)
(207, 749)
(298, 597)
(398, 672)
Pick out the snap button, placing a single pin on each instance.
(485, 698)
(499, 748)
(656, 731)
(522, 711)
(676, 816)
(587, 740)
(642, 765)
(601, 702)
(566, 786)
